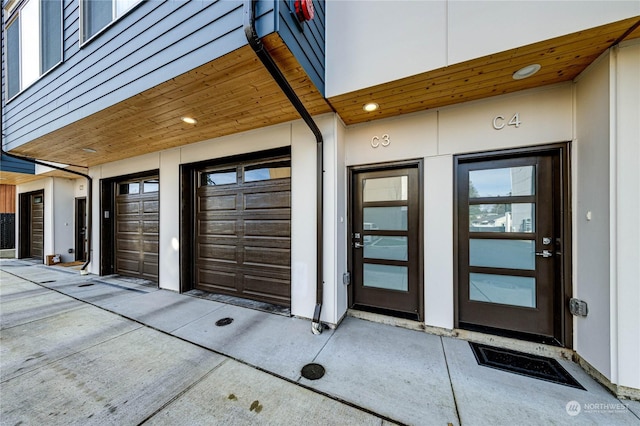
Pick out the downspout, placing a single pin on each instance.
(83, 269)
(268, 62)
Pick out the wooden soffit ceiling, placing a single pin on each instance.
(232, 94)
(561, 58)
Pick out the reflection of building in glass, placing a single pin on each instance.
(522, 184)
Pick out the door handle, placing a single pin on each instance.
(358, 245)
(544, 253)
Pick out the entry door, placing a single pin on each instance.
(509, 245)
(36, 235)
(81, 228)
(386, 241)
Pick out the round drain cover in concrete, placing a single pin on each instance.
(312, 371)
(224, 321)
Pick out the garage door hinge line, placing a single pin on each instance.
(83, 269)
(258, 47)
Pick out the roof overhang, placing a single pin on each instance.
(235, 93)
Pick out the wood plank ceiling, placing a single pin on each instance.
(235, 93)
(561, 58)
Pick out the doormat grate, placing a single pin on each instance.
(535, 366)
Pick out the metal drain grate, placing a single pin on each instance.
(312, 371)
(86, 285)
(224, 321)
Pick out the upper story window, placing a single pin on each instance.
(34, 41)
(97, 14)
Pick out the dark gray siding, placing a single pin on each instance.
(8, 164)
(308, 45)
(155, 42)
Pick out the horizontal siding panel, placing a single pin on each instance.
(152, 44)
(307, 46)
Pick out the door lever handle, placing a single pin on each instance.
(358, 245)
(544, 253)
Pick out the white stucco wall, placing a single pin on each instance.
(591, 267)
(625, 297)
(436, 34)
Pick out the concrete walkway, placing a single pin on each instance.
(93, 350)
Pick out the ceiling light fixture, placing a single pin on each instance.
(527, 71)
(89, 150)
(189, 120)
(370, 107)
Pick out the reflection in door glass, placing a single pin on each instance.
(386, 277)
(516, 217)
(503, 289)
(510, 254)
(385, 218)
(506, 182)
(385, 247)
(385, 189)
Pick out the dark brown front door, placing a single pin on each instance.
(137, 227)
(510, 245)
(36, 235)
(386, 241)
(243, 230)
(81, 229)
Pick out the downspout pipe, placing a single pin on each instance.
(268, 62)
(83, 269)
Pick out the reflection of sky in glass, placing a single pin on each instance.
(30, 51)
(221, 178)
(502, 182)
(257, 174)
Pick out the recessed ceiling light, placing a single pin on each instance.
(89, 150)
(189, 120)
(527, 71)
(370, 107)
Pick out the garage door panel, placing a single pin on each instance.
(150, 206)
(150, 248)
(217, 227)
(267, 228)
(218, 279)
(267, 256)
(257, 285)
(127, 207)
(150, 226)
(216, 252)
(125, 225)
(127, 265)
(123, 245)
(217, 203)
(267, 200)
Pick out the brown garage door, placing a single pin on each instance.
(243, 231)
(137, 226)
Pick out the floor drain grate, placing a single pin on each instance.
(86, 285)
(312, 371)
(224, 321)
(47, 282)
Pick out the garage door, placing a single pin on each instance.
(243, 230)
(137, 227)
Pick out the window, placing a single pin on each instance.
(268, 171)
(34, 42)
(221, 177)
(97, 14)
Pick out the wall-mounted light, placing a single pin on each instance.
(189, 120)
(527, 71)
(89, 150)
(370, 107)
